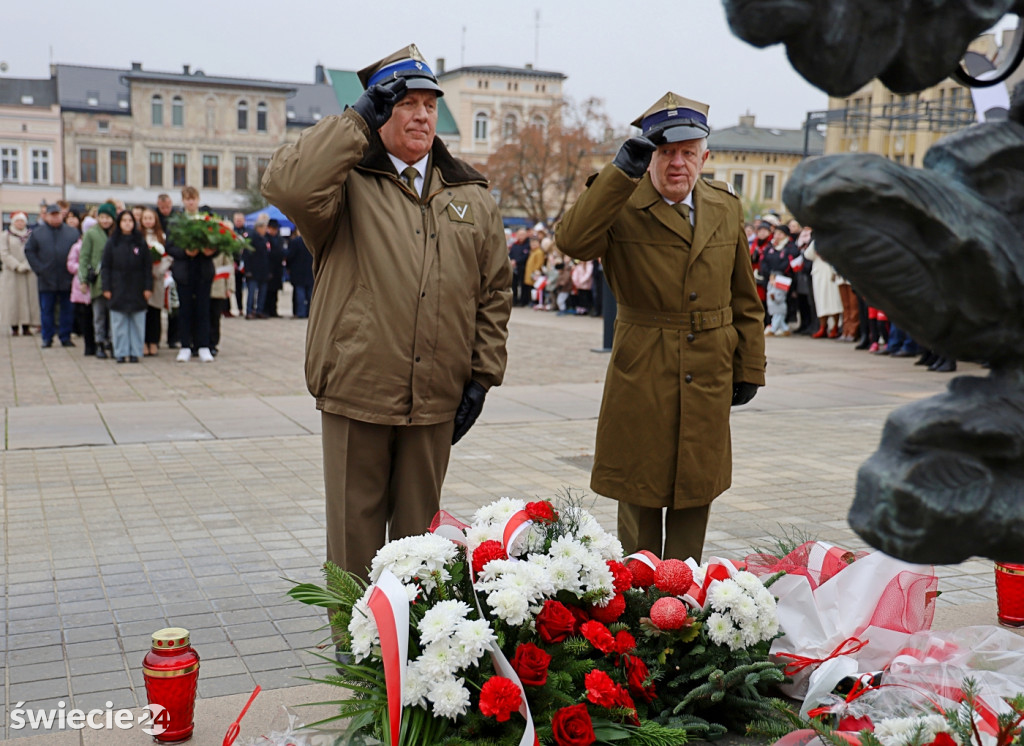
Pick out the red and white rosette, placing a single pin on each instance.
(389, 606)
(715, 572)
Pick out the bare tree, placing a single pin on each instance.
(541, 169)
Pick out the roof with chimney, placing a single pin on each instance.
(41, 92)
(748, 138)
(528, 71)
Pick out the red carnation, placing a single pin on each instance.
(674, 577)
(599, 636)
(223, 231)
(624, 642)
(668, 613)
(623, 578)
(643, 575)
(541, 512)
(636, 676)
(943, 739)
(499, 698)
(487, 551)
(555, 623)
(611, 612)
(571, 726)
(601, 690)
(531, 663)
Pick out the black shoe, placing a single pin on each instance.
(101, 354)
(864, 344)
(904, 353)
(120, 359)
(90, 351)
(213, 351)
(47, 343)
(66, 343)
(132, 359)
(927, 358)
(944, 365)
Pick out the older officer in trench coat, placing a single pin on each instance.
(411, 299)
(688, 336)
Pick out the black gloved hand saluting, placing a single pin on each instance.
(377, 101)
(469, 409)
(743, 392)
(634, 156)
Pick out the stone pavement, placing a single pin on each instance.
(141, 496)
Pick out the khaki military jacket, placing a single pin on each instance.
(411, 296)
(689, 326)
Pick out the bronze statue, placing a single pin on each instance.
(941, 250)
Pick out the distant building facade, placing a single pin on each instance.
(31, 150)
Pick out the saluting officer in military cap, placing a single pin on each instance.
(688, 335)
(411, 300)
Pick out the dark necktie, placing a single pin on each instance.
(409, 175)
(684, 212)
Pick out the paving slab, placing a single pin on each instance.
(157, 421)
(244, 417)
(55, 427)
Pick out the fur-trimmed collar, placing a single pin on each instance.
(453, 171)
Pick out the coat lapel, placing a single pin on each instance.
(710, 211)
(646, 197)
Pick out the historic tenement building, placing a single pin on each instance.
(30, 146)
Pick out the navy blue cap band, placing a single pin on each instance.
(402, 66)
(676, 116)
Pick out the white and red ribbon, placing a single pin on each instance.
(389, 605)
(519, 522)
(717, 570)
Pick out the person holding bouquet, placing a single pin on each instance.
(193, 274)
(126, 272)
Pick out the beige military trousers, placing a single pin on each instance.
(382, 483)
(683, 534)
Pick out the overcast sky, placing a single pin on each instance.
(627, 53)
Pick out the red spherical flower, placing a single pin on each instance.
(601, 690)
(611, 612)
(531, 663)
(668, 613)
(223, 231)
(624, 642)
(571, 726)
(643, 575)
(599, 636)
(555, 623)
(636, 676)
(499, 698)
(487, 551)
(541, 512)
(673, 576)
(623, 578)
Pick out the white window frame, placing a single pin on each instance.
(10, 164)
(42, 157)
(481, 126)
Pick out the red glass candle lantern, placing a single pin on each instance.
(171, 671)
(1010, 594)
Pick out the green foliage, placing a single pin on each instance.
(204, 232)
(791, 537)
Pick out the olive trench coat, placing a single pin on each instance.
(689, 327)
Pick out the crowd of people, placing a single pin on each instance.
(547, 280)
(803, 294)
(111, 276)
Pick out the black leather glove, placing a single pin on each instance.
(634, 156)
(469, 409)
(377, 101)
(743, 392)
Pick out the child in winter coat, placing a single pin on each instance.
(778, 288)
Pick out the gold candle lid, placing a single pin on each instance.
(170, 638)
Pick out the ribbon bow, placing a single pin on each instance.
(849, 646)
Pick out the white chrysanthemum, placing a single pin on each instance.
(414, 557)
(748, 582)
(438, 660)
(450, 698)
(592, 535)
(722, 595)
(596, 576)
(564, 574)
(765, 599)
(477, 534)
(476, 636)
(744, 610)
(363, 629)
(719, 628)
(567, 548)
(510, 606)
(417, 686)
(901, 731)
(441, 620)
(498, 511)
(735, 640)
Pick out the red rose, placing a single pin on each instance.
(636, 676)
(674, 577)
(612, 611)
(541, 512)
(599, 636)
(499, 698)
(581, 617)
(555, 623)
(487, 551)
(623, 577)
(601, 690)
(531, 663)
(624, 642)
(643, 575)
(571, 726)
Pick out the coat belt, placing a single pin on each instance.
(697, 321)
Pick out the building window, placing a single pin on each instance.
(92, 98)
(243, 116)
(118, 166)
(768, 193)
(157, 106)
(179, 163)
(261, 167)
(539, 121)
(509, 126)
(210, 171)
(737, 183)
(261, 117)
(241, 172)
(40, 166)
(211, 116)
(103, 125)
(480, 126)
(9, 159)
(88, 170)
(177, 112)
(156, 169)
